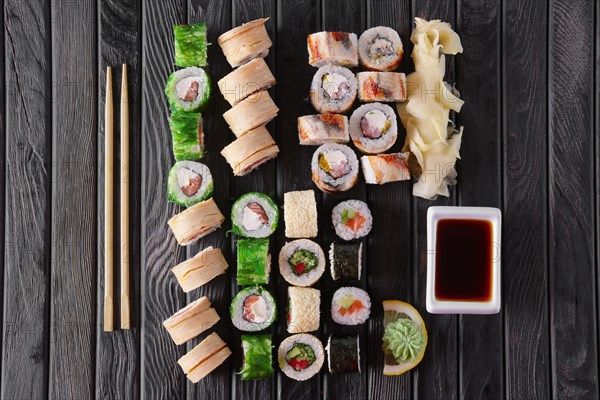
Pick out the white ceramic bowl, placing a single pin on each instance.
(435, 306)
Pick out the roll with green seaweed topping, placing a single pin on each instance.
(253, 309)
(301, 356)
(373, 128)
(189, 89)
(254, 215)
(334, 168)
(190, 45)
(188, 136)
(257, 362)
(253, 262)
(189, 183)
(301, 262)
(404, 337)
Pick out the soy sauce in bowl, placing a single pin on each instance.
(464, 260)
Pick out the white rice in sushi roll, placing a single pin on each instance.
(334, 167)
(350, 306)
(295, 341)
(380, 49)
(333, 89)
(373, 128)
(302, 262)
(352, 219)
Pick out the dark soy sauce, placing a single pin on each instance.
(463, 259)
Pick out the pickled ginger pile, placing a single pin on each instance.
(430, 135)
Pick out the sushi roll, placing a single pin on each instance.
(373, 128)
(189, 183)
(301, 262)
(189, 89)
(257, 361)
(350, 306)
(300, 214)
(196, 222)
(380, 49)
(301, 356)
(253, 262)
(315, 130)
(381, 86)
(204, 358)
(334, 168)
(191, 320)
(337, 48)
(333, 90)
(385, 168)
(187, 134)
(200, 269)
(246, 80)
(250, 151)
(250, 113)
(345, 261)
(303, 311)
(245, 42)
(253, 309)
(254, 215)
(190, 45)
(352, 219)
(343, 354)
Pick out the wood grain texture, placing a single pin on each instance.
(2, 174)
(217, 16)
(119, 41)
(571, 201)
(296, 19)
(480, 172)
(524, 247)
(74, 200)
(437, 375)
(263, 180)
(28, 174)
(345, 16)
(161, 376)
(390, 272)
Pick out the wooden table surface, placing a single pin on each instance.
(530, 80)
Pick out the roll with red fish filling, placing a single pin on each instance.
(189, 183)
(254, 215)
(373, 128)
(253, 309)
(333, 90)
(334, 168)
(352, 219)
(350, 306)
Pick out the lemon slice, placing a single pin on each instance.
(392, 309)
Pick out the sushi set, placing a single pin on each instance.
(372, 128)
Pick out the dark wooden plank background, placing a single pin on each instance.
(530, 78)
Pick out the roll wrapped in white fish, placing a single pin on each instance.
(336, 48)
(323, 128)
(386, 87)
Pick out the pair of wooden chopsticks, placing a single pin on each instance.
(108, 204)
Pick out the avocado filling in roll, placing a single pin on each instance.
(374, 124)
(335, 163)
(300, 356)
(303, 261)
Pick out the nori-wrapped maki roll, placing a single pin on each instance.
(188, 136)
(253, 261)
(190, 45)
(345, 260)
(257, 362)
(189, 183)
(189, 89)
(343, 354)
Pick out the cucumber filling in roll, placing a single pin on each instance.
(300, 357)
(189, 183)
(188, 89)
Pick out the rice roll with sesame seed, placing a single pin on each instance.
(343, 354)
(303, 311)
(333, 90)
(253, 262)
(190, 45)
(334, 168)
(189, 89)
(245, 42)
(385, 168)
(385, 87)
(253, 309)
(254, 215)
(380, 49)
(257, 360)
(352, 219)
(315, 130)
(337, 48)
(301, 356)
(196, 222)
(345, 261)
(373, 128)
(300, 214)
(189, 183)
(187, 135)
(350, 306)
(301, 262)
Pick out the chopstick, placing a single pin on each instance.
(108, 206)
(125, 317)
